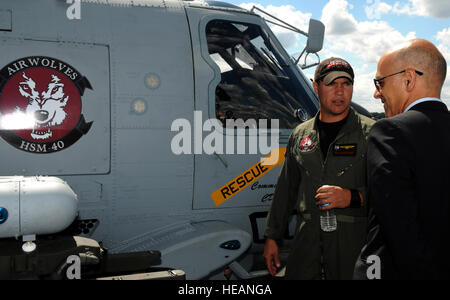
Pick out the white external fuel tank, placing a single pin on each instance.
(35, 206)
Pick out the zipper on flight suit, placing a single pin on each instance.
(340, 173)
(324, 163)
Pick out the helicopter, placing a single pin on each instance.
(152, 120)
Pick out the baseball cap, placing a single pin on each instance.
(333, 68)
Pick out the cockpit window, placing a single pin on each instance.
(256, 83)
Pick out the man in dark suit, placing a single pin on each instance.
(408, 169)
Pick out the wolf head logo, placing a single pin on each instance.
(46, 107)
(41, 104)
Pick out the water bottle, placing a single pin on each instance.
(328, 221)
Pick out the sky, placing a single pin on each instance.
(360, 31)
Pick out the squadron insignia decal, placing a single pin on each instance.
(40, 104)
(306, 144)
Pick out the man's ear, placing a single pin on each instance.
(316, 87)
(410, 79)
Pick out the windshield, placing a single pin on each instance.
(256, 83)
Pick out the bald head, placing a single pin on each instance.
(423, 56)
(411, 71)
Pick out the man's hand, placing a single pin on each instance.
(335, 196)
(271, 256)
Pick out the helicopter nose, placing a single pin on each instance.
(41, 115)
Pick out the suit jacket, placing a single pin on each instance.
(408, 169)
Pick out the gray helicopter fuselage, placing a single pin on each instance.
(105, 88)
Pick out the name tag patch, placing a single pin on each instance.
(344, 149)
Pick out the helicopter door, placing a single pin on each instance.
(251, 101)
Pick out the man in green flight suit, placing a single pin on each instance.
(324, 169)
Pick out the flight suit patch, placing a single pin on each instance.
(344, 149)
(306, 144)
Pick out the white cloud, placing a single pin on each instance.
(368, 40)
(364, 88)
(425, 8)
(443, 37)
(376, 9)
(436, 8)
(337, 19)
(288, 14)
